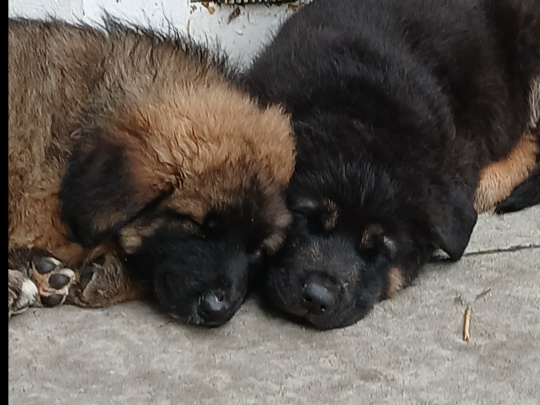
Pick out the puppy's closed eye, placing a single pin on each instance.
(189, 226)
(305, 207)
(182, 221)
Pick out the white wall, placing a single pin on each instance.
(241, 36)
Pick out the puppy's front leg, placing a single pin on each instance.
(103, 280)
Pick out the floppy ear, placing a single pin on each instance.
(110, 178)
(453, 223)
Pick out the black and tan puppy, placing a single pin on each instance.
(398, 107)
(135, 164)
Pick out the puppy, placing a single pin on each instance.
(399, 107)
(135, 165)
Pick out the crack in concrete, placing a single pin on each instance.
(502, 250)
(441, 257)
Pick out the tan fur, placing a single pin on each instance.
(499, 179)
(396, 282)
(330, 215)
(110, 285)
(370, 236)
(183, 128)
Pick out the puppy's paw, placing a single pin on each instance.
(101, 282)
(52, 280)
(22, 293)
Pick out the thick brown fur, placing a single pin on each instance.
(114, 131)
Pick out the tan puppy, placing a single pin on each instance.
(135, 165)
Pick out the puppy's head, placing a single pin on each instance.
(334, 266)
(200, 265)
(192, 189)
(357, 245)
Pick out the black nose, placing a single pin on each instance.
(319, 295)
(213, 308)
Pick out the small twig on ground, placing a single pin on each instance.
(466, 323)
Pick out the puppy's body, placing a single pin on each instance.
(131, 148)
(397, 108)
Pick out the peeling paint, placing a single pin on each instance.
(241, 29)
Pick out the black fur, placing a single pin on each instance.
(88, 191)
(192, 265)
(397, 106)
(525, 195)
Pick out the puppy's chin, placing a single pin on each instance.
(211, 308)
(284, 292)
(194, 319)
(348, 315)
(190, 313)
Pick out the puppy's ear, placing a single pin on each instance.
(453, 222)
(110, 178)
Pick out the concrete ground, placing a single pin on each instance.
(408, 350)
